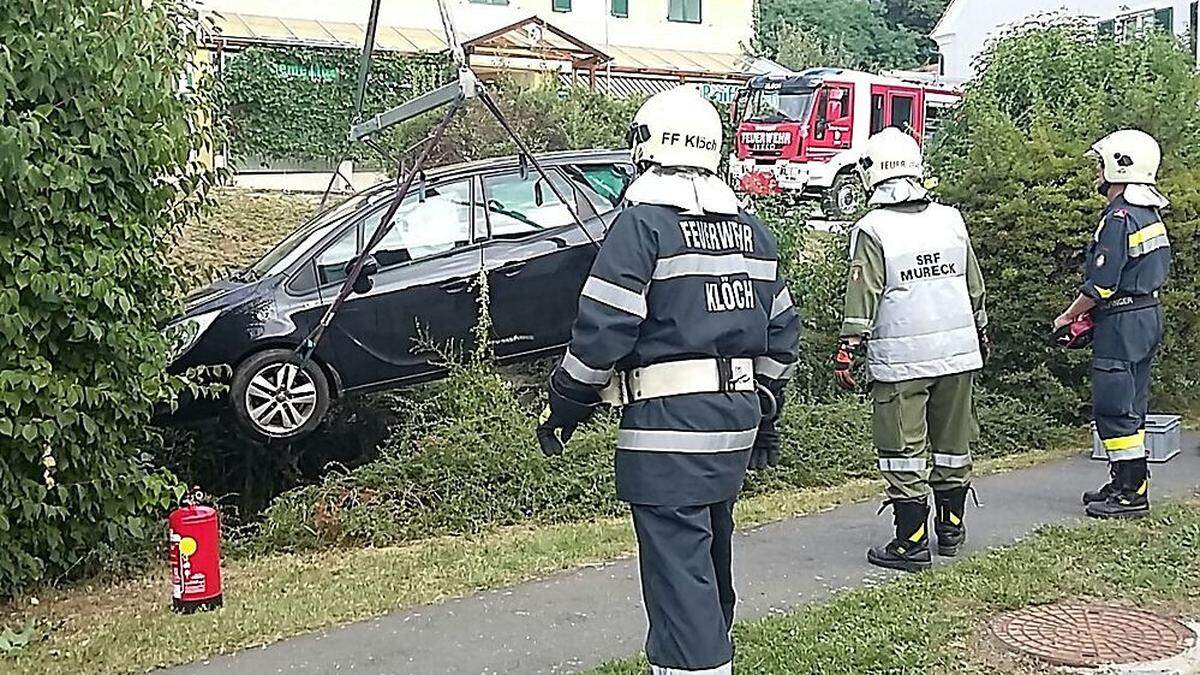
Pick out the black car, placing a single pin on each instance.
(496, 215)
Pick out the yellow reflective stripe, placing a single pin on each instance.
(1125, 442)
(1104, 292)
(1142, 489)
(954, 520)
(1148, 232)
(917, 535)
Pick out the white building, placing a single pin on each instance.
(620, 45)
(968, 25)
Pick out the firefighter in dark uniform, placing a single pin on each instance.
(916, 297)
(1126, 265)
(686, 322)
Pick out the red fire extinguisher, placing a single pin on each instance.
(195, 556)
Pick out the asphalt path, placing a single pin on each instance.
(582, 617)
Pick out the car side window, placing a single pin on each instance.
(424, 227)
(520, 205)
(332, 262)
(607, 182)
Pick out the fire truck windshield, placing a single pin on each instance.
(773, 106)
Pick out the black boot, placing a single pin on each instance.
(948, 523)
(1107, 489)
(909, 551)
(1131, 498)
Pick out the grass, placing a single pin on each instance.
(241, 228)
(127, 626)
(935, 622)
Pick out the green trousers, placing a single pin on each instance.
(923, 430)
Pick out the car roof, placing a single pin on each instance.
(463, 169)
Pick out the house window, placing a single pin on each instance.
(1136, 23)
(560, 5)
(620, 8)
(685, 11)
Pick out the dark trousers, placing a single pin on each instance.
(685, 557)
(1120, 399)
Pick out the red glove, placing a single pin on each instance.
(843, 364)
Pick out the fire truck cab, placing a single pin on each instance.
(805, 133)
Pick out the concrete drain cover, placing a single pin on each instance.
(1071, 634)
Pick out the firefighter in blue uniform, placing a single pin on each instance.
(687, 324)
(1126, 265)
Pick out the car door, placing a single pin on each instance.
(422, 303)
(536, 256)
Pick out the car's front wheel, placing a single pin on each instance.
(278, 395)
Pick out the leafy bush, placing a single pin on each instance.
(545, 116)
(99, 162)
(1013, 160)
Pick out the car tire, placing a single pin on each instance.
(846, 198)
(276, 395)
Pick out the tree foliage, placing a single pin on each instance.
(1013, 159)
(864, 34)
(100, 159)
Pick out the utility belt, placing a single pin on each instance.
(677, 378)
(1127, 303)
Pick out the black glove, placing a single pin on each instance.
(560, 419)
(985, 345)
(766, 446)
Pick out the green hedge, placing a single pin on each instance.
(1013, 159)
(297, 103)
(98, 167)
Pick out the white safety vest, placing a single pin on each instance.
(924, 326)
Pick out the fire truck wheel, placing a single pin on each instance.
(846, 198)
(276, 395)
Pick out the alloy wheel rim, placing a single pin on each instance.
(281, 398)
(847, 199)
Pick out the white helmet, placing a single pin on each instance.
(891, 153)
(677, 128)
(1129, 156)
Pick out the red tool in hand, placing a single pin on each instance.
(1075, 335)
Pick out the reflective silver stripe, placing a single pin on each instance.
(1123, 455)
(615, 296)
(703, 264)
(783, 302)
(951, 461)
(1152, 244)
(583, 372)
(901, 463)
(648, 440)
(857, 321)
(725, 669)
(769, 367)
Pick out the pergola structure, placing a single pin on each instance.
(534, 41)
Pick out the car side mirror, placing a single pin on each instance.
(421, 187)
(539, 193)
(523, 163)
(365, 281)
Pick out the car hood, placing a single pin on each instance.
(220, 294)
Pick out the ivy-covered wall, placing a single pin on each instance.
(296, 103)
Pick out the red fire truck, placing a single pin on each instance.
(804, 133)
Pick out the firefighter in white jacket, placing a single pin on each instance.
(915, 298)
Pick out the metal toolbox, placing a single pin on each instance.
(1163, 438)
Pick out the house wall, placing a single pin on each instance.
(968, 25)
(726, 25)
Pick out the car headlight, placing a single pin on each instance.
(183, 334)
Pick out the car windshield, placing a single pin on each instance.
(296, 243)
(773, 106)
